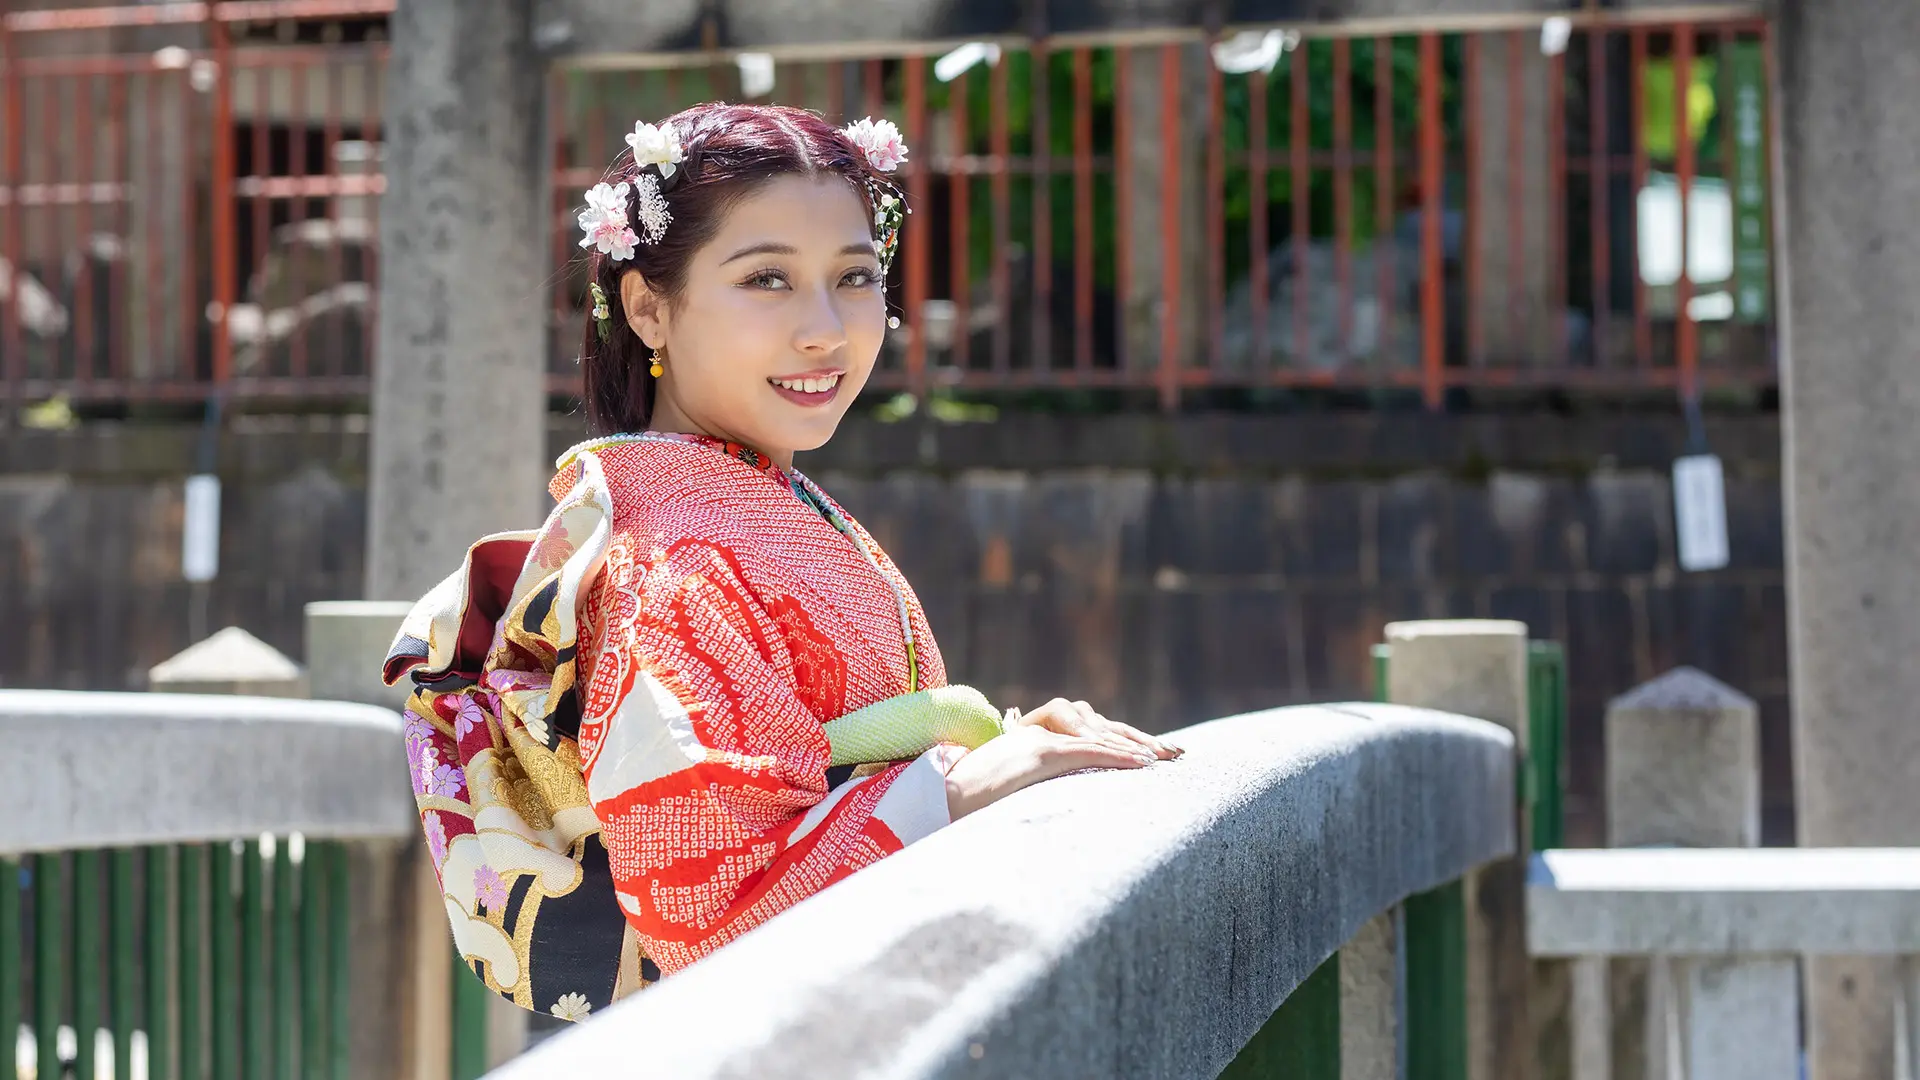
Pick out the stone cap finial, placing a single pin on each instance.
(1682, 688)
(230, 657)
(1419, 628)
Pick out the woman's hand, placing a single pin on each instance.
(1057, 738)
(1025, 755)
(1078, 718)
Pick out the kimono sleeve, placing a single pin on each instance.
(710, 776)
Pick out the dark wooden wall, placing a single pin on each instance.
(1169, 570)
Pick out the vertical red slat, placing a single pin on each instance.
(329, 142)
(370, 126)
(10, 242)
(52, 218)
(836, 92)
(1257, 231)
(1343, 188)
(1599, 180)
(1082, 208)
(260, 173)
(560, 316)
(1170, 121)
(1476, 225)
(1686, 343)
(83, 131)
(1122, 200)
(1300, 184)
(874, 88)
(960, 232)
(223, 207)
(1041, 157)
(1557, 207)
(1636, 76)
(297, 73)
(1383, 199)
(1216, 223)
(119, 176)
(1432, 300)
(916, 238)
(154, 85)
(1516, 93)
(1002, 150)
(191, 308)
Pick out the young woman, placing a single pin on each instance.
(701, 692)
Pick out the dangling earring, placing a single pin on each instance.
(659, 360)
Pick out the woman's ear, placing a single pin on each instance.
(646, 311)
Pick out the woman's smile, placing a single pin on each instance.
(808, 388)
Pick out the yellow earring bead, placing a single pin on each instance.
(657, 369)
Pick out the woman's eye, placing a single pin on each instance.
(767, 279)
(859, 279)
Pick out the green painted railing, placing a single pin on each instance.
(193, 962)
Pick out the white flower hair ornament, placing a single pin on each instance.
(605, 221)
(879, 144)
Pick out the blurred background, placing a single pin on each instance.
(1220, 350)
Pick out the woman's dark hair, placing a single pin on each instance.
(731, 150)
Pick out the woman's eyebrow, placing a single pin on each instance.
(768, 247)
(772, 247)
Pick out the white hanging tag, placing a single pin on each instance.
(200, 537)
(1700, 512)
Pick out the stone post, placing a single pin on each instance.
(459, 401)
(1478, 668)
(1370, 994)
(1683, 769)
(230, 662)
(1845, 195)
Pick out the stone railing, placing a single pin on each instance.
(1718, 935)
(174, 881)
(1143, 924)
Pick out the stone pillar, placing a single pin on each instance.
(1846, 195)
(1478, 668)
(230, 662)
(1683, 769)
(1513, 238)
(459, 403)
(1370, 996)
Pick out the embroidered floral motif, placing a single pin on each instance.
(490, 888)
(572, 1007)
(436, 837)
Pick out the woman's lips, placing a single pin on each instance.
(808, 388)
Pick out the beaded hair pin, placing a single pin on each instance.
(658, 152)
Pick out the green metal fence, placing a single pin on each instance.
(216, 961)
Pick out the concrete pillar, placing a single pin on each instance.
(1478, 668)
(1370, 996)
(459, 404)
(1518, 315)
(1683, 768)
(1846, 193)
(1741, 1019)
(230, 662)
(1683, 764)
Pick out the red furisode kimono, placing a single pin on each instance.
(697, 695)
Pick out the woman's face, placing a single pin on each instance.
(779, 324)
